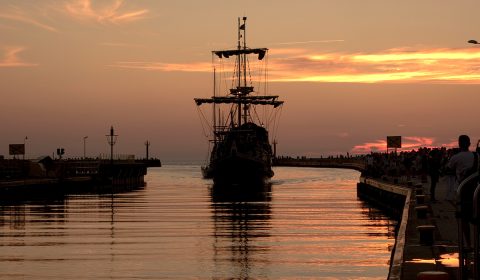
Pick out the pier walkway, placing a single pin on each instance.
(441, 254)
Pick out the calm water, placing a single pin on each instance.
(311, 225)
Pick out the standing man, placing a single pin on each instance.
(434, 162)
(464, 164)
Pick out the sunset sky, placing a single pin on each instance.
(350, 72)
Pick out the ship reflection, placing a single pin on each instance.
(241, 218)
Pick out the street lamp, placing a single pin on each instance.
(84, 146)
(112, 139)
(24, 146)
(147, 144)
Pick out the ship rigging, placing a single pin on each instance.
(241, 150)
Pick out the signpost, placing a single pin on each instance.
(16, 149)
(60, 152)
(394, 142)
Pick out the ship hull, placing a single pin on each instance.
(239, 171)
(243, 157)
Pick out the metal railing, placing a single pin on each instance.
(464, 194)
(476, 230)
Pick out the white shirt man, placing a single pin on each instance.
(461, 162)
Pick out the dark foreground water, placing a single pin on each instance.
(310, 226)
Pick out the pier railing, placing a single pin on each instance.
(465, 203)
(476, 229)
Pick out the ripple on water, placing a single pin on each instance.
(309, 224)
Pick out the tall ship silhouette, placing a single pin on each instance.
(241, 115)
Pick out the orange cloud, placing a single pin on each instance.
(111, 12)
(405, 66)
(365, 148)
(460, 66)
(408, 143)
(423, 56)
(11, 59)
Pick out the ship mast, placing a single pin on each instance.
(239, 96)
(214, 107)
(246, 107)
(241, 71)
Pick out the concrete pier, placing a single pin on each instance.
(24, 179)
(425, 242)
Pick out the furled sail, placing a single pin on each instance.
(227, 53)
(255, 100)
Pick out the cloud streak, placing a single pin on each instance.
(11, 59)
(113, 12)
(164, 67)
(309, 42)
(453, 66)
(18, 15)
(121, 45)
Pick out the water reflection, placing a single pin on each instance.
(241, 218)
(19, 213)
(311, 226)
(449, 260)
(380, 218)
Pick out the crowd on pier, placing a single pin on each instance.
(409, 163)
(431, 163)
(459, 165)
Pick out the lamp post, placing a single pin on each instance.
(24, 146)
(85, 147)
(112, 139)
(147, 144)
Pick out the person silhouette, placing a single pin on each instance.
(464, 164)
(434, 162)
